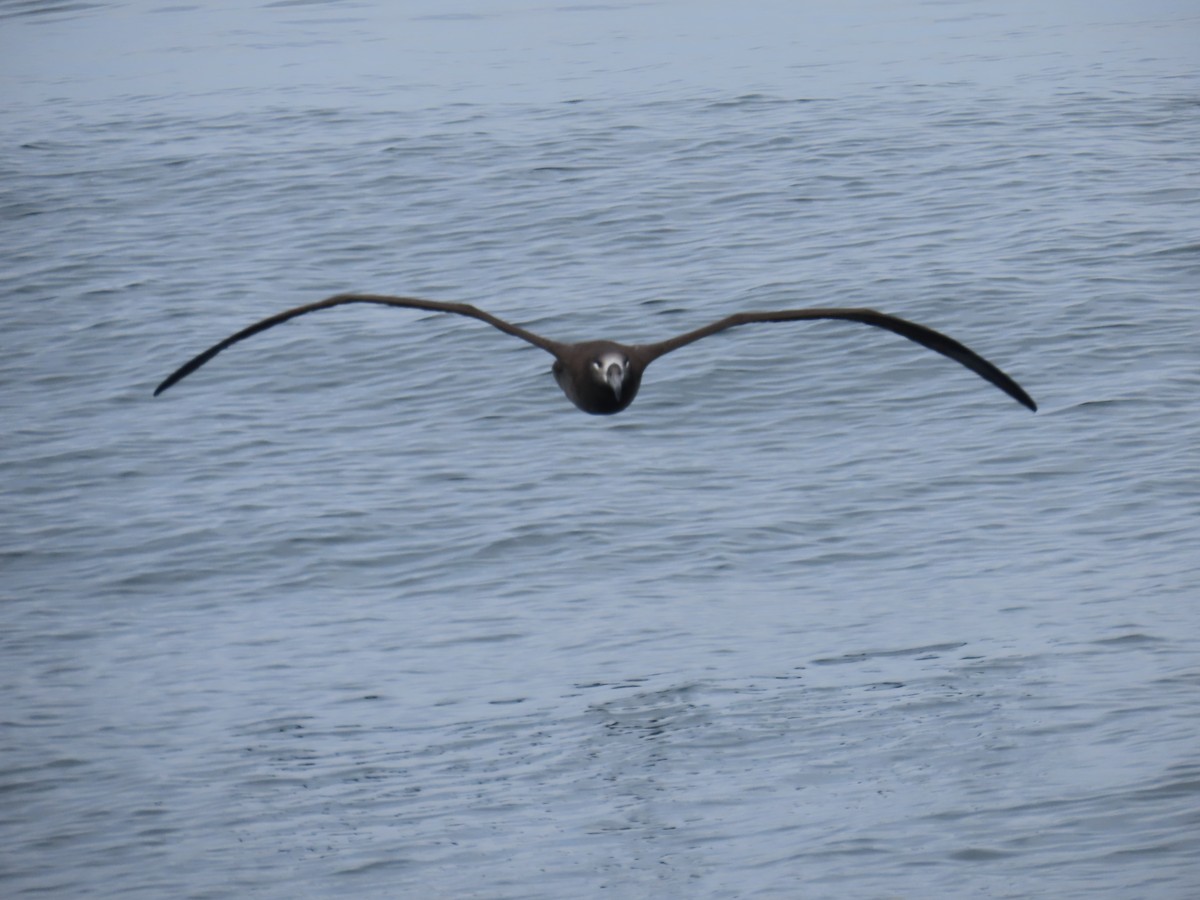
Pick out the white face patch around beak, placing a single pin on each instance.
(611, 368)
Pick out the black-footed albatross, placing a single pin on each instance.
(603, 377)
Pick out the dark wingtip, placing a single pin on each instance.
(168, 381)
(1018, 394)
(197, 361)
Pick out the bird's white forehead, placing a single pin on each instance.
(612, 356)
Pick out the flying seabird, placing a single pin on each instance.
(603, 377)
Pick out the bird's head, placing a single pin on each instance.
(609, 369)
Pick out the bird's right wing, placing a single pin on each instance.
(462, 309)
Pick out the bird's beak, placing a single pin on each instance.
(614, 375)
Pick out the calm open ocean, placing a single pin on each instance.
(366, 608)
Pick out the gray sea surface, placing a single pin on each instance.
(365, 607)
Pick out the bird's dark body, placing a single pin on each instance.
(574, 373)
(603, 377)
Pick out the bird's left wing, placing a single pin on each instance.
(921, 334)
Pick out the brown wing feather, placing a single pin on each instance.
(921, 334)
(462, 309)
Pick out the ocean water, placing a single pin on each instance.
(365, 607)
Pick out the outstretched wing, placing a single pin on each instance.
(923, 335)
(462, 309)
